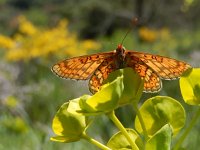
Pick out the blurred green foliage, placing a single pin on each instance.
(30, 94)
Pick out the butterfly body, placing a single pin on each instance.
(120, 56)
(97, 67)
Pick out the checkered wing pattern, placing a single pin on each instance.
(153, 67)
(97, 67)
(80, 68)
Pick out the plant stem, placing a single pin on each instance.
(93, 141)
(135, 106)
(112, 116)
(187, 131)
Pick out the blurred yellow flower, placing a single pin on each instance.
(151, 35)
(32, 42)
(6, 42)
(147, 35)
(11, 102)
(89, 44)
(15, 124)
(25, 26)
(17, 54)
(165, 34)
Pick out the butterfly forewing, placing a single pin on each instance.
(79, 68)
(166, 68)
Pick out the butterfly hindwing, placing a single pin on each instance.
(152, 82)
(101, 74)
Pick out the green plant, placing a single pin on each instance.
(158, 120)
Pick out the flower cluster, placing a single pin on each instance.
(33, 42)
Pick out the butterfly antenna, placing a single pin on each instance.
(134, 23)
(129, 30)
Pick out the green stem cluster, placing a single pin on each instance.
(112, 116)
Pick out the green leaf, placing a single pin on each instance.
(119, 141)
(159, 111)
(190, 87)
(161, 140)
(66, 139)
(67, 124)
(105, 100)
(122, 87)
(132, 83)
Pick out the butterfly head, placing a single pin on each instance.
(120, 50)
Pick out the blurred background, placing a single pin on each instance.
(36, 34)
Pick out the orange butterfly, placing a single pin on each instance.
(97, 67)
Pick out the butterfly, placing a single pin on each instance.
(97, 67)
